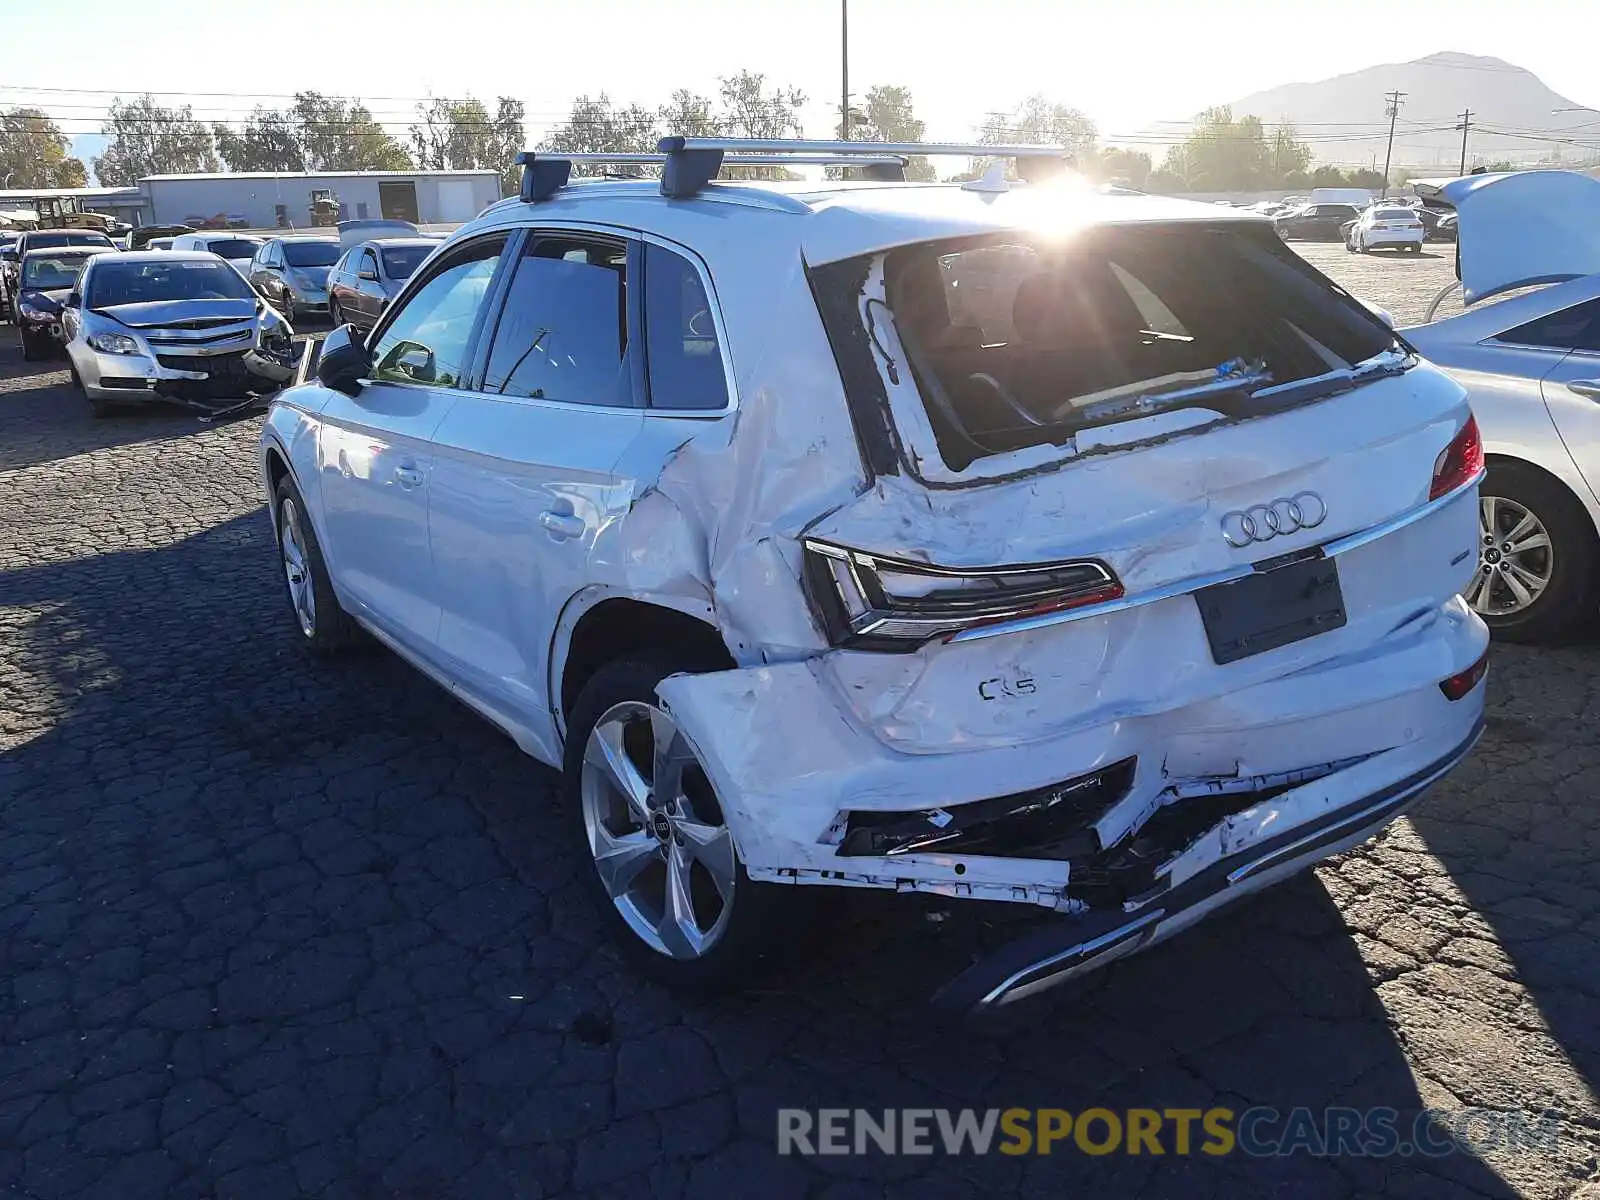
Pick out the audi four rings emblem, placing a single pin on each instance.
(1264, 522)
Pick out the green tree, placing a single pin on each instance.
(1040, 121)
(1223, 154)
(1119, 165)
(460, 135)
(689, 114)
(887, 115)
(1037, 121)
(148, 139)
(268, 141)
(1287, 156)
(1362, 177)
(338, 134)
(596, 126)
(34, 152)
(749, 110)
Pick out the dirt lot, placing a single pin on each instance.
(269, 929)
(1404, 284)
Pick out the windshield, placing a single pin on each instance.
(400, 261)
(53, 273)
(1014, 342)
(116, 283)
(235, 248)
(37, 241)
(311, 254)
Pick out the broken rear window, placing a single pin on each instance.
(1015, 343)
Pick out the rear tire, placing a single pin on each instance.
(1570, 566)
(32, 351)
(662, 823)
(325, 628)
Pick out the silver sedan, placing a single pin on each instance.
(170, 325)
(1531, 365)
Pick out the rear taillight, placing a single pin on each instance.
(877, 603)
(1459, 463)
(1462, 682)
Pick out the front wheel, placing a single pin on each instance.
(325, 628)
(288, 308)
(1537, 557)
(666, 874)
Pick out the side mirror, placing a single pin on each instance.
(416, 363)
(345, 361)
(368, 274)
(74, 300)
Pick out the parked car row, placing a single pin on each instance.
(290, 274)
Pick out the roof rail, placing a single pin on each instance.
(544, 173)
(692, 162)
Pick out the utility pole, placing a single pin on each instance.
(844, 69)
(1395, 100)
(1466, 124)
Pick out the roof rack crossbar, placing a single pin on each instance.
(791, 146)
(692, 162)
(742, 160)
(544, 173)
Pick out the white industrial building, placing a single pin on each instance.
(283, 200)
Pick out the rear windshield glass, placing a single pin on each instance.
(38, 240)
(1016, 342)
(311, 254)
(235, 248)
(116, 283)
(400, 261)
(46, 274)
(1394, 214)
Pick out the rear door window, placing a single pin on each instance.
(563, 331)
(682, 350)
(1574, 328)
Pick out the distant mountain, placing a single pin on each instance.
(1344, 121)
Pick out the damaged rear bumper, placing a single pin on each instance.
(1130, 824)
(1055, 955)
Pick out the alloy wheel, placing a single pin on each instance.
(657, 834)
(297, 568)
(1515, 558)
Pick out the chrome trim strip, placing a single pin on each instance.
(1195, 583)
(1084, 951)
(1395, 802)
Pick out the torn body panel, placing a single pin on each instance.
(786, 756)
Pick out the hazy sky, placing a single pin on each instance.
(1127, 65)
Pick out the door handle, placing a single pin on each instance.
(409, 475)
(561, 525)
(1585, 387)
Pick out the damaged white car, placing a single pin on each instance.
(1531, 366)
(1013, 542)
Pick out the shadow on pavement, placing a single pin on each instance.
(271, 928)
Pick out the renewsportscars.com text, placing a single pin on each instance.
(1258, 1132)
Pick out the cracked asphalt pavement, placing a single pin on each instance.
(269, 928)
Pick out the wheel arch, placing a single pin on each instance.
(601, 624)
(1577, 487)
